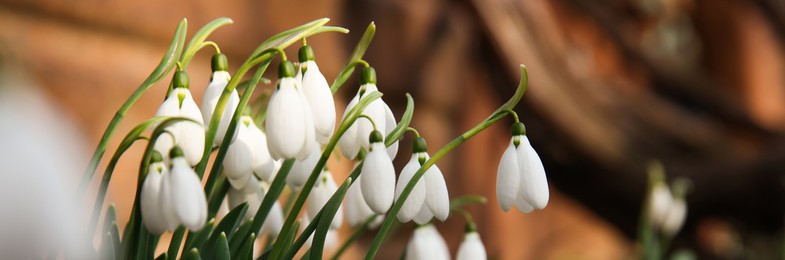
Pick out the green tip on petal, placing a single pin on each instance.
(376, 137)
(419, 145)
(368, 76)
(306, 53)
(518, 129)
(176, 152)
(286, 69)
(157, 157)
(180, 79)
(470, 227)
(220, 62)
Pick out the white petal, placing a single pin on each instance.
(210, 99)
(508, 178)
(188, 197)
(356, 209)
(320, 98)
(274, 221)
(376, 111)
(437, 198)
(522, 205)
(390, 124)
(167, 205)
(660, 204)
(262, 163)
(239, 159)
(165, 142)
(424, 215)
(254, 196)
(427, 244)
(471, 248)
(323, 189)
(301, 170)
(191, 136)
(150, 202)
(534, 184)
(310, 132)
(348, 141)
(675, 219)
(378, 183)
(416, 198)
(286, 119)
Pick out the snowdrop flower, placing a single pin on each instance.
(188, 135)
(667, 209)
(316, 90)
(182, 198)
(301, 169)
(356, 136)
(472, 247)
(521, 177)
(323, 189)
(247, 154)
(152, 214)
(289, 123)
(218, 81)
(427, 244)
(357, 212)
(378, 176)
(253, 194)
(429, 197)
(660, 202)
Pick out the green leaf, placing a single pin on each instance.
(246, 251)
(406, 119)
(355, 235)
(193, 255)
(107, 247)
(236, 240)
(199, 38)
(197, 239)
(167, 63)
(219, 249)
(226, 226)
(162, 256)
(284, 39)
(272, 195)
(110, 217)
(357, 54)
(115, 233)
(174, 243)
(329, 29)
(330, 209)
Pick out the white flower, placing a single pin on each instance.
(429, 197)
(471, 248)
(262, 163)
(427, 244)
(274, 221)
(251, 193)
(660, 203)
(182, 198)
(288, 118)
(188, 135)
(152, 215)
(317, 92)
(247, 154)
(675, 218)
(213, 92)
(301, 169)
(323, 189)
(356, 136)
(378, 177)
(357, 212)
(521, 178)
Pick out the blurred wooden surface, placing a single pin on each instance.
(696, 84)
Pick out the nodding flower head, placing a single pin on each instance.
(378, 181)
(289, 121)
(247, 154)
(182, 198)
(356, 136)
(429, 197)
(317, 92)
(152, 213)
(323, 189)
(521, 177)
(188, 135)
(213, 93)
(427, 244)
(472, 247)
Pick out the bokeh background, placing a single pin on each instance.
(614, 84)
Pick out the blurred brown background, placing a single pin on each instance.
(696, 84)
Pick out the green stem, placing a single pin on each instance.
(414, 131)
(493, 118)
(369, 119)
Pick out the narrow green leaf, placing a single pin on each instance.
(167, 63)
(193, 255)
(197, 239)
(115, 232)
(246, 251)
(406, 119)
(357, 54)
(286, 38)
(107, 247)
(110, 217)
(196, 42)
(226, 226)
(174, 243)
(355, 235)
(142, 244)
(272, 195)
(330, 209)
(162, 256)
(217, 250)
(329, 29)
(236, 240)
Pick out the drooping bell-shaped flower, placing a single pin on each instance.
(188, 135)
(660, 202)
(301, 169)
(472, 247)
(378, 176)
(357, 211)
(521, 178)
(675, 218)
(182, 198)
(152, 215)
(262, 163)
(427, 244)
(251, 193)
(323, 189)
(247, 154)
(317, 91)
(429, 197)
(356, 136)
(218, 81)
(289, 119)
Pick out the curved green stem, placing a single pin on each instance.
(369, 119)
(212, 44)
(493, 118)
(414, 131)
(514, 115)
(361, 61)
